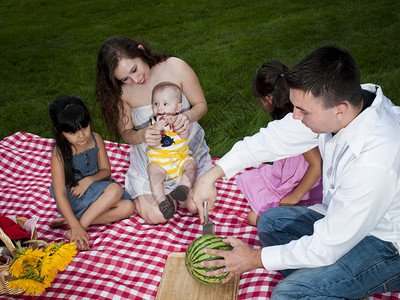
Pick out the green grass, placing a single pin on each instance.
(49, 48)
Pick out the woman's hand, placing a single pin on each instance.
(181, 123)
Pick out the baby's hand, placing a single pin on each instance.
(170, 120)
(160, 123)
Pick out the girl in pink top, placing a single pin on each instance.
(290, 181)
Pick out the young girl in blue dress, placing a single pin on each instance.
(81, 184)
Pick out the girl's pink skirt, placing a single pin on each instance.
(265, 186)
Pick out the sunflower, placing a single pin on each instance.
(61, 254)
(48, 270)
(27, 261)
(34, 270)
(29, 286)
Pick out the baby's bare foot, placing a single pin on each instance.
(58, 222)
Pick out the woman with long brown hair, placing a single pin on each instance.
(127, 71)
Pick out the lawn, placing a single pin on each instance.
(49, 48)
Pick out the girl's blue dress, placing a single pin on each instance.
(86, 163)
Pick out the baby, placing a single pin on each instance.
(171, 159)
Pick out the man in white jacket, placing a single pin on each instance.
(348, 246)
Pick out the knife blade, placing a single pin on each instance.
(208, 226)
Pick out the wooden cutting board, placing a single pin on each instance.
(177, 284)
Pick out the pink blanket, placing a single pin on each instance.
(127, 258)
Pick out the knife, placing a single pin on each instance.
(208, 226)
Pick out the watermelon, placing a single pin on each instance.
(195, 255)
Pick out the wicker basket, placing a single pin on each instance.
(5, 276)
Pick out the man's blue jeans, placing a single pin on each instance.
(372, 266)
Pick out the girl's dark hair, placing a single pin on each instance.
(68, 114)
(270, 81)
(108, 88)
(329, 73)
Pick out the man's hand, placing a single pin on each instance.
(205, 190)
(237, 261)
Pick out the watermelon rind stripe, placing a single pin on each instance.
(195, 255)
(208, 280)
(215, 243)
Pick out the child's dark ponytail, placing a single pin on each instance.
(68, 114)
(270, 81)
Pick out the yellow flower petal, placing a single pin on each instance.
(30, 287)
(50, 248)
(34, 270)
(26, 262)
(48, 269)
(64, 255)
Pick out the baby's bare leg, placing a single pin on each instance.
(183, 192)
(157, 177)
(189, 172)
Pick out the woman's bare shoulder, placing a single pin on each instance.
(175, 62)
(176, 69)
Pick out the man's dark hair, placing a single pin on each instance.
(329, 73)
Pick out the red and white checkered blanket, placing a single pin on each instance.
(127, 258)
